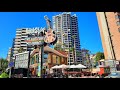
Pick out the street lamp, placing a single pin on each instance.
(74, 49)
(69, 48)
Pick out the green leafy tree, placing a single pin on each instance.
(4, 75)
(21, 50)
(58, 46)
(72, 49)
(3, 64)
(73, 36)
(99, 56)
(88, 61)
(78, 53)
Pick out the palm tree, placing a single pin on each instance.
(57, 46)
(88, 61)
(3, 64)
(78, 53)
(74, 50)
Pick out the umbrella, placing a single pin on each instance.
(63, 66)
(55, 67)
(80, 66)
(73, 66)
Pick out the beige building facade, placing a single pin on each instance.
(109, 25)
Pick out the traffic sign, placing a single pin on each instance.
(11, 64)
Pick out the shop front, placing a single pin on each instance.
(54, 57)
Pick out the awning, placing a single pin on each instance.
(48, 49)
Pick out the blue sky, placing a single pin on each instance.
(10, 21)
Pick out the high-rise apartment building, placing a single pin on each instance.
(109, 24)
(19, 40)
(9, 54)
(86, 58)
(66, 27)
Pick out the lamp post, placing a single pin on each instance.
(69, 48)
(90, 60)
(42, 58)
(9, 68)
(74, 49)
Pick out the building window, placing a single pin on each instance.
(118, 22)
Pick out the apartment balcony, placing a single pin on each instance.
(18, 31)
(22, 39)
(16, 49)
(15, 52)
(24, 36)
(18, 37)
(23, 44)
(16, 45)
(17, 42)
(18, 34)
(24, 31)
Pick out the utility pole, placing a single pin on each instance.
(42, 58)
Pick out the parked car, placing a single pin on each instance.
(113, 75)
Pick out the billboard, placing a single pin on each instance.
(34, 40)
(111, 64)
(21, 60)
(34, 30)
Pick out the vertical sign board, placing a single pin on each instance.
(111, 64)
(21, 60)
(39, 65)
